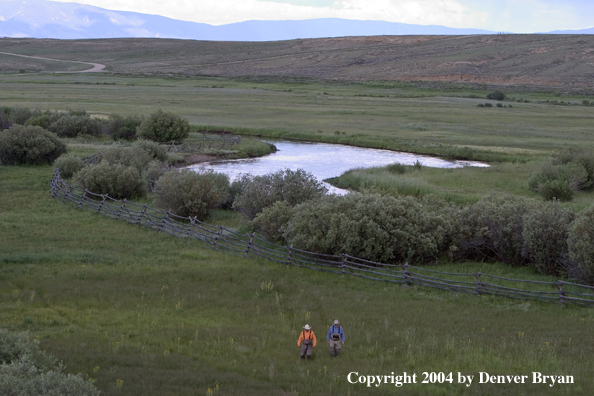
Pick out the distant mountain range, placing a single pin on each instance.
(48, 19)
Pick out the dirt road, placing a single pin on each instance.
(96, 67)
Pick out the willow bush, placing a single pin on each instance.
(258, 192)
(68, 165)
(580, 243)
(372, 227)
(189, 193)
(545, 233)
(116, 180)
(30, 145)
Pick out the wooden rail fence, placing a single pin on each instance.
(221, 238)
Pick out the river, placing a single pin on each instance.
(324, 160)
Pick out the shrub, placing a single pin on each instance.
(24, 379)
(4, 121)
(126, 155)
(372, 227)
(116, 180)
(154, 150)
(559, 181)
(71, 126)
(68, 165)
(488, 105)
(579, 156)
(14, 346)
(153, 171)
(27, 371)
(397, 168)
(259, 192)
(272, 221)
(123, 128)
(545, 233)
(580, 243)
(41, 120)
(556, 189)
(188, 193)
(164, 127)
(20, 115)
(496, 95)
(494, 229)
(29, 145)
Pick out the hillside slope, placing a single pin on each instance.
(565, 61)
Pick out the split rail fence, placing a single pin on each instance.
(221, 238)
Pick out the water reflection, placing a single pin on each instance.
(324, 160)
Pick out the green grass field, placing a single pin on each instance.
(170, 316)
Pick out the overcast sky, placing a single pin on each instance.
(518, 16)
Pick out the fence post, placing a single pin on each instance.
(559, 285)
(163, 222)
(82, 198)
(478, 283)
(121, 209)
(289, 256)
(102, 202)
(249, 244)
(406, 275)
(219, 235)
(143, 211)
(343, 264)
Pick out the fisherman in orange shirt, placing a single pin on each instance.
(307, 341)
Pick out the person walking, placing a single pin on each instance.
(307, 341)
(335, 338)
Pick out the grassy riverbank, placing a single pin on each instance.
(463, 185)
(172, 316)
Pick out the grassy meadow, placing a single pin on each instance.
(144, 313)
(169, 316)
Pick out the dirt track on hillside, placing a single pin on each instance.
(96, 67)
(561, 61)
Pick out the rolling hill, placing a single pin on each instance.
(562, 61)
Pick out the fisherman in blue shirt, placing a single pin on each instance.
(335, 338)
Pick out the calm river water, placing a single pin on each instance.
(324, 160)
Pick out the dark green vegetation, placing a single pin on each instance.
(31, 145)
(26, 370)
(145, 313)
(166, 316)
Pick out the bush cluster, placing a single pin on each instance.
(580, 243)
(496, 95)
(68, 165)
(572, 170)
(116, 180)
(123, 128)
(29, 145)
(372, 227)
(258, 192)
(124, 171)
(27, 371)
(164, 127)
(191, 194)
